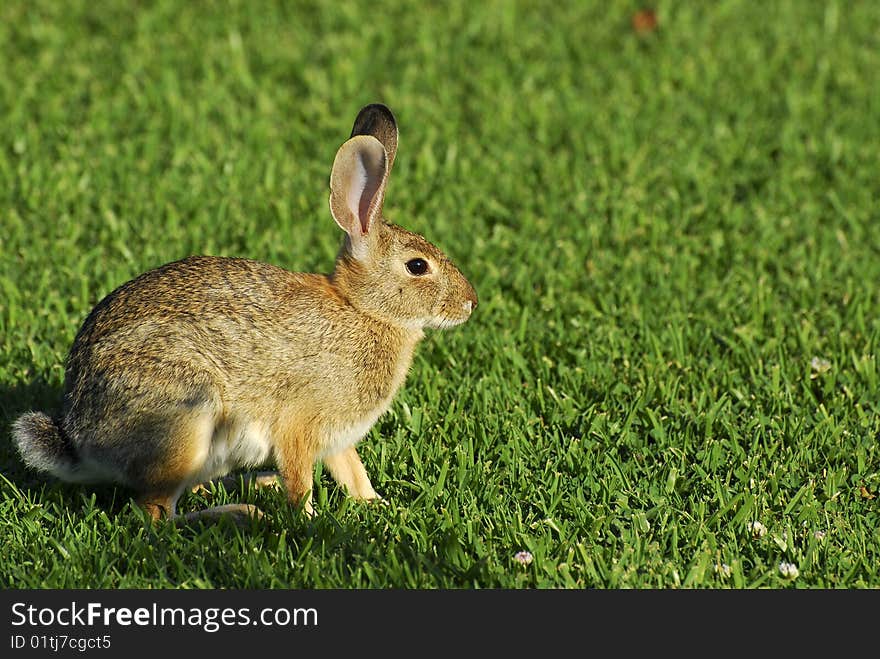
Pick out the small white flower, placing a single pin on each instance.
(819, 535)
(723, 569)
(523, 557)
(788, 570)
(757, 529)
(819, 366)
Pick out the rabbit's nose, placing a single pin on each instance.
(472, 299)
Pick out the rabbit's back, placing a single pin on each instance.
(216, 313)
(189, 299)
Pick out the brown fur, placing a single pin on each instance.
(171, 370)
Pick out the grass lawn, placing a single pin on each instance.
(672, 377)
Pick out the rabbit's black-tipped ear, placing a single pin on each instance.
(378, 121)
(357, 188)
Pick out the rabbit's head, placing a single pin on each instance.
(385, 270)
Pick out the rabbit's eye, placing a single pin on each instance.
(417, 267)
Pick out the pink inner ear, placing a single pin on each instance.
(369, 194)
(356, 187)
(366, 180)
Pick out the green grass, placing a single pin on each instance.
(664, 230)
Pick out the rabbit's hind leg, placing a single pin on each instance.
(178, 459)
(162, 506)
(240, 514)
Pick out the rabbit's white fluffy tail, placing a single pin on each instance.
(44, 446)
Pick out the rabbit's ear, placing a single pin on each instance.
(357, 186)
(377, 120)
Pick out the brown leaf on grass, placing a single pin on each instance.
(865, 494)
(644, 21)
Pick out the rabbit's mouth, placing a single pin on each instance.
(445, 321)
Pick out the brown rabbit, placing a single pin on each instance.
(210, 364)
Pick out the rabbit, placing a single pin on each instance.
(210, 364)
